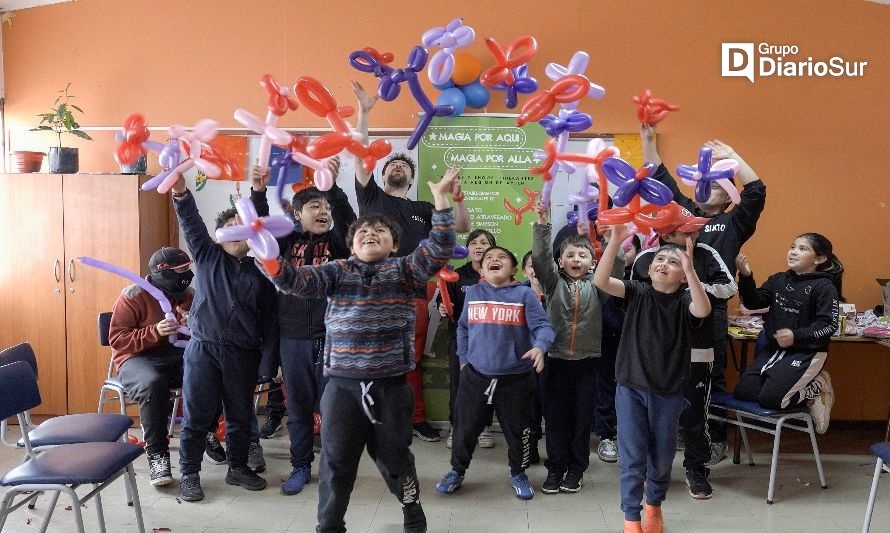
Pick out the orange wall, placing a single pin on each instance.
(817, 143)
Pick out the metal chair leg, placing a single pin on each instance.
(811, 430)
(869, 509)
(130, 479)
(775, 461)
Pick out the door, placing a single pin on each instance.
(102, 222)
(32, 267)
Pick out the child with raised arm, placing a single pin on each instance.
(368, 352)
(502, 336)
(803, 316)
(568, 384)
(652, 364)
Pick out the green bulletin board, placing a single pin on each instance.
(495, 156)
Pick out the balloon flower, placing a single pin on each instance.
(203, 132)
(156, 293)
(701, 175)
(522, 84)
(134, 141)
(577, 65)
(453, 36)
(651, 110)
(634, 185)
(260, 233)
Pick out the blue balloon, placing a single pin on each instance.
(476, 94)
(446, 85)
(453, 97)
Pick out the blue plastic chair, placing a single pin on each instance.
(882, 452)
(62, 468)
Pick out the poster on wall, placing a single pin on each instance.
(495, 156)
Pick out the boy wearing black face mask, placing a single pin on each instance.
(148, 364)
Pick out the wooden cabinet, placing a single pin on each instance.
(51, 300)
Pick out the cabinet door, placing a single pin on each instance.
(102, 222)
(32, 266)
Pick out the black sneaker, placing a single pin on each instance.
(697, 481)
(424, 431)
(190, 488)
(572, 482)
(415, 520)
(214, 451)
(551, 484)
(271, 427)
(159, 468)
(243, 476)
(255, 459)
(316, 442)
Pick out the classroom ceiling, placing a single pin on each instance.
(13, 5)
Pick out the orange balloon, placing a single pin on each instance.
(466, 68)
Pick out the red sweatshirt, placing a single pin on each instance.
(133, 320)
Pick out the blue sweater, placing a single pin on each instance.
(370, 314)
(498, 325)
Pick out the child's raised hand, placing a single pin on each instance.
(647, 133)
(365, 101)
(618, 232)
(719, 149)
(537, 357)
(686, 256)
(444, 186)
(741, 263)
(258, 178)
(542, 212)
(334, 166)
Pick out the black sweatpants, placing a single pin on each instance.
(346, 428)
(694, 418)
(777, 379)
(148, 380)
(569, 397)
(454, 382)
(513, 399)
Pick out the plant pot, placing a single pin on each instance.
(28, 161)
(136, 167)
(63, 160)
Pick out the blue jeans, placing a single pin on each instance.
(212, 373)
(303, 368)
(646, 449)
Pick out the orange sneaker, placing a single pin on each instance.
(632, 527)
(653, 520)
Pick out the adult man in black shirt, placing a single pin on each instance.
(414, 219)
(726, 232)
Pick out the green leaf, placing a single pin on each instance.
(77, 108)
(68, 122)
(39, 128)
(81, 134)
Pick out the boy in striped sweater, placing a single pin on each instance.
(368, 351)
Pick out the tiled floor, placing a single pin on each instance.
(486, 504)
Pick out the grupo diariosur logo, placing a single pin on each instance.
(783, 60)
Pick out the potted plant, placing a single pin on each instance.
(60, 119)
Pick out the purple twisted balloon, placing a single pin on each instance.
(701, 175)
(260, 232)
(622, 174)
(157, 293)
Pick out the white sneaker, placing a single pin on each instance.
(448, 440)
(485, 439)
(607, 451)
(820, 406)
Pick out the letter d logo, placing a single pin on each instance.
(738, 60)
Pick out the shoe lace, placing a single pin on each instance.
(299, 472)
(521, 481)
(159, 464)
(190, 483)
(451, 478)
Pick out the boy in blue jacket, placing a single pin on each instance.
(502, 336)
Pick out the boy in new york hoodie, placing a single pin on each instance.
(502, 336)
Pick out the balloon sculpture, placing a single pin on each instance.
(510, 73)
(447, 275)
(280, 102)
(577, 65)
(260, 233)
(134, 141)
(453, 36)
(634, 185)
(522, 84)
(318, 99)
(652, 110)
(170, 158)
(157, 293)
(390, 86)
(701, 175)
